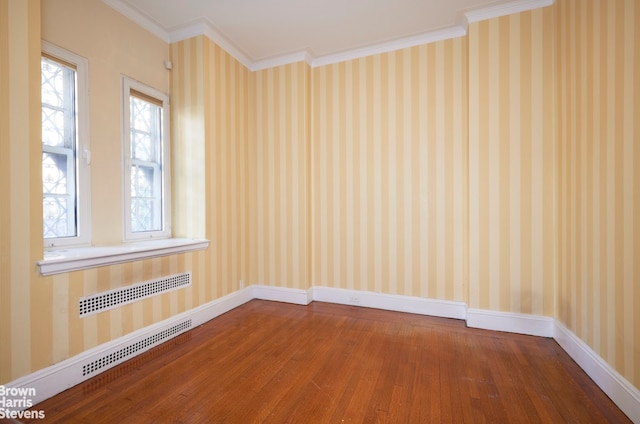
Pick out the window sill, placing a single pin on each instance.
(66, 260)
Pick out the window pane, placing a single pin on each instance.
(142, 145)
(52, 83)
(144, 199)
(142, 181)
(142, 215)
(58, 149)
(56, 219)
(54, 173)
(146, 169)
(145, 129)
(52, 126)
(141, 115)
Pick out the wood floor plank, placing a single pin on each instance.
(269, 362)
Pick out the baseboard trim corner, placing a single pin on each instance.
(619, 389)
(532, 325)
(282, 294)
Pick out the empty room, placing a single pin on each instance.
(320, 211)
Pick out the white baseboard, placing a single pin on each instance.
(59, 377)
(391, 302)
(623, 393)
(532, 325)
(217, 307)
(282, 294)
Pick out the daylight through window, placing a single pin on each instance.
(146, 175)
(59, 149)
(146, 160)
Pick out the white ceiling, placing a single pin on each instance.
(261, 33)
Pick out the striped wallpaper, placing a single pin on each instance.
(20, 188)
(279, 184)
(511, 163)
(210, 109)
(5, 190)
(188, 97)
(388, 172)
(599, 177)
(227, 138)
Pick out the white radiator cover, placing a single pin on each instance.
(133, 349)
(99, 302)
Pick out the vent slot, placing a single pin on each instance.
(125, 352)
(104, 378)
(114, 298)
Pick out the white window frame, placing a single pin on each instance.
(129, 84)
(83, 150)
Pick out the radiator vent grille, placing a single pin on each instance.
(132, 349)
(114, 298)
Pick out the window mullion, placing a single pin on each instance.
(72, 199)
(69, 108)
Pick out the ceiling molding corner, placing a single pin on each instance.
(302, 56)
(205, 28)
(139, 18)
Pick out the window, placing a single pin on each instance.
(146, 162)
(65, 175)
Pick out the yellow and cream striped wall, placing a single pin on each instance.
(279, 156)
(598, 133)
(389, 172)
(496, 169)
(512, 171)
(210, 134)
(21, 330)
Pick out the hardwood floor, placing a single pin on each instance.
(324, 363)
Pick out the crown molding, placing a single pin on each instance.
(386, 47)
(512, 7)
(203, 27)
(180, 33)
(303, 56)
